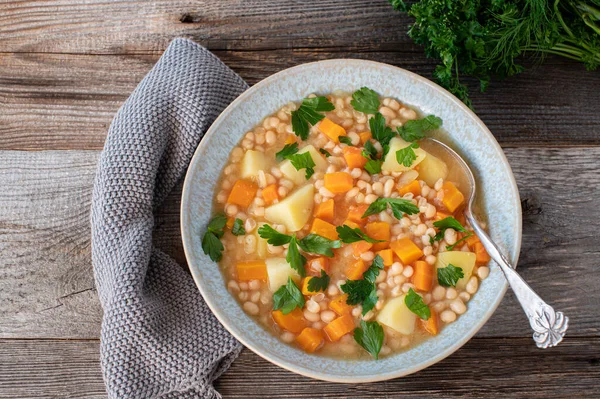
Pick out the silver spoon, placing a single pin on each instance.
(549, 326)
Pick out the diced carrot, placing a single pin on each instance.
(356, 270)
(310, 339)
(379, 231)
(252, 270)
(338, 182)
(352, 225)
(317, 264)
(305, 290)
(452, 197)
(387, 255)
(339, 327)
(326, 210)
(406, 250)
(356, 211)
(354, 157)
(290, 139)
(431, 325)
(242, 193)
(293, 321)
(423, 276)
(339, 305)
(441, 215)
(412, 187)
(461, 218)
(360, 247)
(332, 130)
(324, 229)
(364, 136)
(270, 194)
(230, 222)
(471, 241)
(482, 257)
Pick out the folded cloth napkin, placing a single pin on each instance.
(159, 339)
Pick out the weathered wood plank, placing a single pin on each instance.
(484, 366)
(46, 283)
(64, 101)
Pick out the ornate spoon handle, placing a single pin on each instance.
(549, 326)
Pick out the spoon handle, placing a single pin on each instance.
(549, 326)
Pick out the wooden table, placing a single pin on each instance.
(65, 68)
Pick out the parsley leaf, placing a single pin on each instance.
(373, 165)
(325, 152)
(349, 235)
(451, 247)
(288, 297)
(365, 100)
(287, 151)
(448, 276)
(415, 129)
(316, 284)
(406, 156)
(238, 228)
(217, 224)
(309, 113)
(303, 161)
(370, 336)
(398, 205)
(379, 130)
(317, 244)
(415, 304)
(345, 140)
(272, 236)
(211, 243)
(360, 292)
(295, 258)
(373, 271)
(370, 151)
(450, 223)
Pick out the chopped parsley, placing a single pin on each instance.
(349, 235)
(373, 271)
(303, 161)
(238, 228)
(450, 223)
(317, 244)
(448, 276)
(415, 304)
(211, 243)
(288, 297)
(364, 291)
(272, 236)
(406, 156)
(325, 152)
(373, 165)
(287, 151)
(398, 206)
(370, 336)
(365, 100)
(345, 140)
(309, 113)
(415, 130)
(380, 131)
(316, 284)
(295, 258)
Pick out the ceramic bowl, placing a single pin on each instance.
(462, 130)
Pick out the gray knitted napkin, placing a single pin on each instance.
(159, 339)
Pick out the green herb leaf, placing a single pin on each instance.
(316, 284)
(287, 151)
(373, 166)
(212, 246)
(309, 112)
(370, 151)
(406, 156)
(360, 292)
(303, 161)
(451, 247)
(379, 130)
(373, 271)
(288, 297)
(349, 235)
(345, 139)
(448, 276)
(415, 130)
(365, 100)
(217, 224)
(295, 258)
(399, 207)
(272, 236)
(325, 152)
(317, 244)
(445, 224)
(238, 228)
(370, 336)
(415, 304)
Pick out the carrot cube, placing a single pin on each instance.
(352, 225)
(339, 327)
(431, 325)
(252, 270)
(482, 257)
(310, 339)
(423, 276)
(354, 157)
(324, 229)
(387, 255)
(242, 193)
(290, 139)
(356, 211)
(471, 241)
(441, 215)
(360, 247)
(338, 182)
(326, 210)
(340, 306)
(292, 322)
(356, 270)
(413, 187)
(331, 130)
(230, 222)
(317, 264)
(270, 194)
(379, 231)
(305, 290)
(406, 250)
(452, 197)
(364, 136)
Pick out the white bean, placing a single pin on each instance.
(472, 285)
(310, 316)
(458, 306)
(439, 293)
(327, 316)
(483, 272)
(448, 316)
(313, 306)
(451, 293)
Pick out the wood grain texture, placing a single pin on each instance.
(46, 282)
(483, 367)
